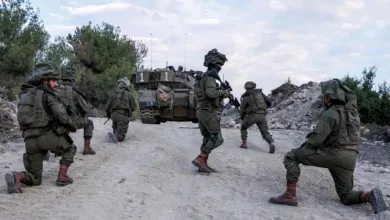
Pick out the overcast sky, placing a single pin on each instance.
(264, 41)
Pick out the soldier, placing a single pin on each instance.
(180, 69)
(253, 110)
(45, 124)
(77, 102)
(207, 98)
(119, 108)
(333, 144)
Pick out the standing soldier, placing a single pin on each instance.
(253, 110)
(207, 98)
(333, 144)
(45, 124)
(119, 108)
(74, 99)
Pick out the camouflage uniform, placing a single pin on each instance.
(77, 102)
(119, 107)
(45, 124)
(207, 98)
(333, 144)
(253, 110)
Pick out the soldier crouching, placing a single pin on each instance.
(333, 144)
(45, 124)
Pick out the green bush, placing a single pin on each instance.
(374, 104)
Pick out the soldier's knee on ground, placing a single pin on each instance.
(34, 168)
(351, 198)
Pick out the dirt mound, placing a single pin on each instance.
(295, 107)
(9, 129)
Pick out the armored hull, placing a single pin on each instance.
(165, 95)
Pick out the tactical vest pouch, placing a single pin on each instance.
(257, 104)
(349, 127)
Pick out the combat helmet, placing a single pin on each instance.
(214, 57)
(332, 90)
(34, 78)
(250, 85)
(68, 72)
(47, 70)
(123, 81)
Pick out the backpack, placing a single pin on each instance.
(31, 113)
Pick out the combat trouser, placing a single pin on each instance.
(261, 122)
(210, 128)
(120, 124)
(340, 163)
(86, 124)
(36, 149)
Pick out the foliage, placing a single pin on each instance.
(374, 106)
(22, 36)
(100, 53)
(22, 40)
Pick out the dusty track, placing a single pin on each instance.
(150, 176)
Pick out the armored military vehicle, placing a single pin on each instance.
(165, 95)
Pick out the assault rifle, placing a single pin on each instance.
(225, 86)
(307, 136)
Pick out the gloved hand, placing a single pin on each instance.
(72, 127)
(225, 94)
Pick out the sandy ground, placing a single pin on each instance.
(150, 176)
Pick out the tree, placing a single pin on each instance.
(140, 52)
(374, 106)
(105, 56)
(22, 35)
(59, 52)
(100, 47)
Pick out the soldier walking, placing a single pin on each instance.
(253, 110)
(207, 97)
(119, 108)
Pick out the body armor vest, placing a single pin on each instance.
(257, 102)
(121, 100)
(202, 100)
(348, 134)
(65, 92)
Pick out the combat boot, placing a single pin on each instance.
(201, 163)
(244, 144)
(63, 179)
(87, 147)
(287, 198)
(272, 147)
(375, 198)
(210, 168)
(113, 136)
(14, 181)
